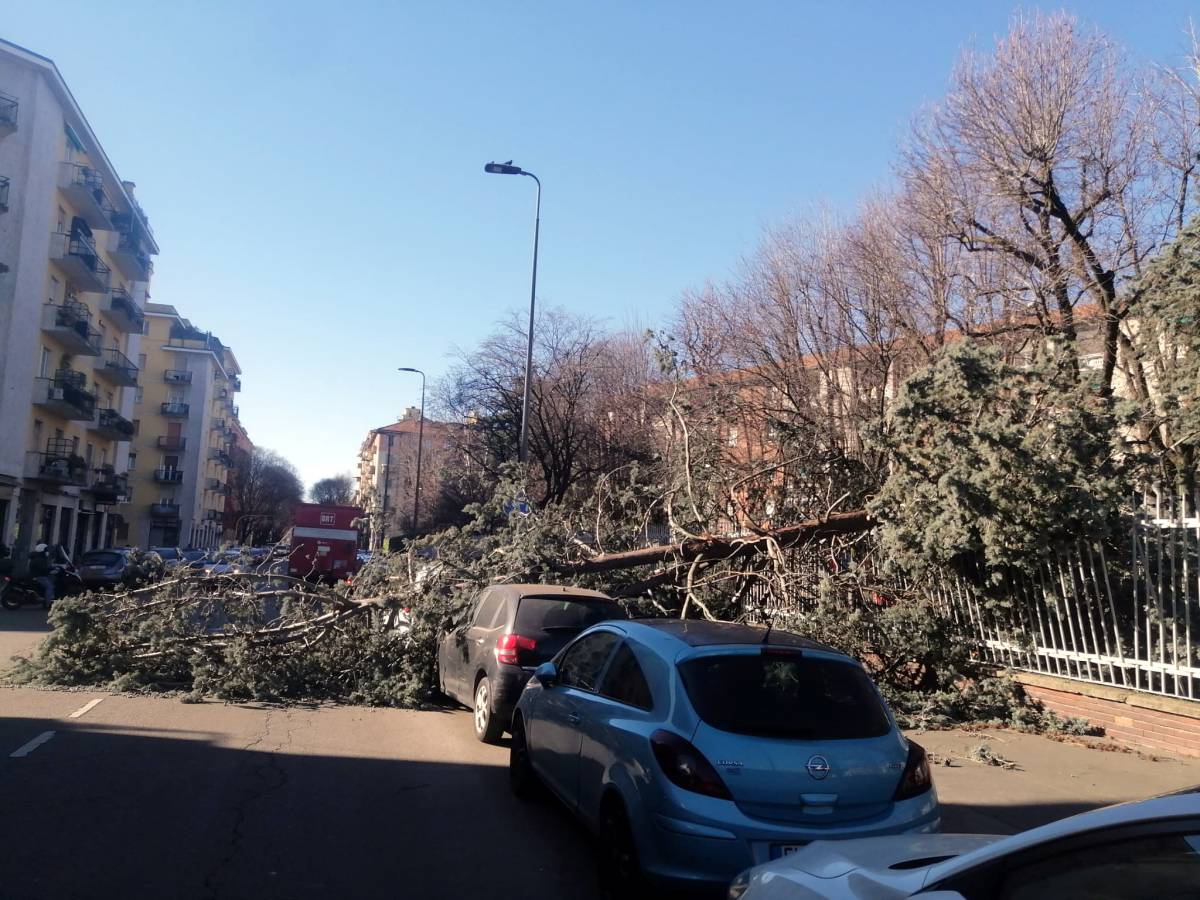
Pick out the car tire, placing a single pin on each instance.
(9, 599)
(487, 727)
(619, 873)
(522, 778)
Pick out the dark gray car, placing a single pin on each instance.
(507, 632)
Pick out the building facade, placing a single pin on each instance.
(387, 476)
(75, 267)
(181, 454)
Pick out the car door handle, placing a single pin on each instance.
(574, 718)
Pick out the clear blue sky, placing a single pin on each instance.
(313, 171)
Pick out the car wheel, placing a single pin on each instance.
(521, 777)
(487, 728)
(9, 599)
(620, 874)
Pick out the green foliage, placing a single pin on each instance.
(995, 467)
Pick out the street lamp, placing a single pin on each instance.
(420, 445)
(495, 168)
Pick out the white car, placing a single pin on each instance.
(1146, 849)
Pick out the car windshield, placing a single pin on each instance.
(101, 558)
(563, 614)
(193, 555)
(167, 552)
(787, 694)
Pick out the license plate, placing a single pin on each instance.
(781, 850)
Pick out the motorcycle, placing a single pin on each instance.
(17, 592)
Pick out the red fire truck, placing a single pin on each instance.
(324, 541)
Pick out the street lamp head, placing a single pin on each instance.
(506, 168)
(409, 369)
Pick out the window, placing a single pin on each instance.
(584, 660)
(37, 434)
(1155, 865)
(55, 284)
(62, 220)
(132, 464)
(141, 360)
(138, 395)
(44, 364)
(137, 426)
(490, 603)
(625, 681)
(783, 693)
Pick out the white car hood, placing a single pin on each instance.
(870, 860)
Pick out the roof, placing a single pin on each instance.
(702, 633)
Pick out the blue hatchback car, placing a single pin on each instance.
(698, 749)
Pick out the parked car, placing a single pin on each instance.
(697, 749)
(171, 556)
(107, 568)
(194, 558)
(506, 632)
(1149, 848)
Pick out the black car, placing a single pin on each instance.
(106, 568)
(508, 631)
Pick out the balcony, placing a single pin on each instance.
(8, 114)
(219, 426)
(220, 456)
(171, 442)
(76, 255)
(58, 465)
(217, 486)
(173, 410)
(83, 186)
(71, 324)
(236, 381)
(177, 376)
(129, 248)
(117, 368)
(213, 515)
(111, 424)
(165, 510)
(66, 395)
(124, 312)
(233, 411)
(168, 475)
(3, 194)
(107, 486)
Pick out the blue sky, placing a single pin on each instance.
(313, 171)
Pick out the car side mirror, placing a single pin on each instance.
(546, 674)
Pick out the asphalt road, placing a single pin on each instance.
(134, 797)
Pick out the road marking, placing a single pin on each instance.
(32, 745)
(89, 705)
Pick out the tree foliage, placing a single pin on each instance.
(265, 491)
(337, 490)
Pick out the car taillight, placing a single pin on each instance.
(916, 779)
(686, 766)
(509, 645)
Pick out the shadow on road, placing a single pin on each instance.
(110, 813)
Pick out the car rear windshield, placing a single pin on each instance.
(167, 552)
(563, 615)
(787, 695)
(101, 559)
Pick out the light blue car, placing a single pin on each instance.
(697, 749)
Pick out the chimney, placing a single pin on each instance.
(129, 187)
(412, 414)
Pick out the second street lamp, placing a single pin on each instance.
(495, 168)
(420, 447)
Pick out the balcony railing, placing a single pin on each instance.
(130, 246)
(233, 411)
(71, 323)
(177, 376)
(8, 114)
(57, 466)
(175, 410)
(219, 425)
(77, 256)
(66, 395)
(125, 312)
(107, 486)
(163, 510)
(111, 424)
(168, 475)
(217, 486)
(218, 455)
(3, 193)
(83, 186)
(118, 368)
(236, 381)
(171, 442)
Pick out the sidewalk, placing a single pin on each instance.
(1052, 778)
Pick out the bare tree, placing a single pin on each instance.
(265, 491)
(337, 490)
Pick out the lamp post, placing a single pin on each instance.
(420, 446)
(495, 168)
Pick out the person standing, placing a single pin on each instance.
(40, 571)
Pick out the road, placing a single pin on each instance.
(148, 796)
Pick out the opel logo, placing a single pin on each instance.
(818, 767)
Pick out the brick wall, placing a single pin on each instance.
(1161, 725)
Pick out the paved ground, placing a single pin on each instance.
(139, 796)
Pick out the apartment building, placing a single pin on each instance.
(75, 266)
(184, 418)
(387, 475)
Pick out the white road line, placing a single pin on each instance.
(89, 705)
(32, 745)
